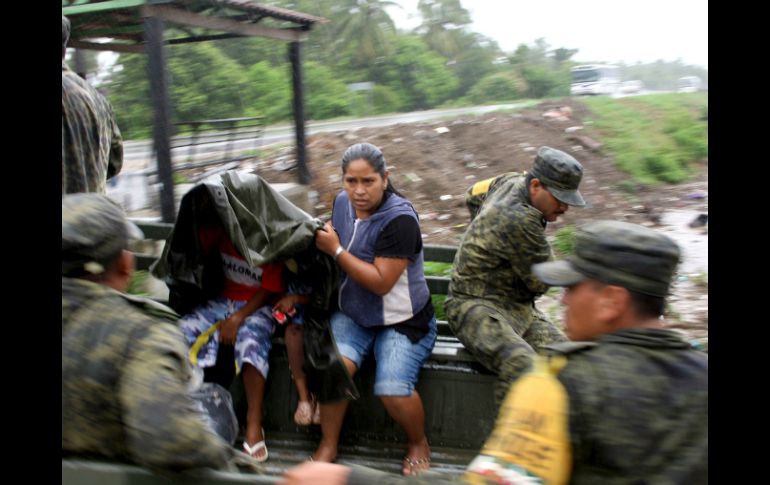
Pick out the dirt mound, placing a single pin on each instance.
(433, 164)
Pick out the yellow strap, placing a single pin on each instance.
(201, 341)
(482, 187)
(531, 435)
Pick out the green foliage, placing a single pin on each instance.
(543, 81)
(438, 306)
(202, 84)
(179, 178)
(136, 285)
(129, 94)
(365, 29)
(419, 73)
(654, 138)
(440, 22)
(564, 240)
(531, 55)
(662, 165)
(270, 93)
(327, 96)
(563, 54)
(476, 58)
(432, 268)
(386, 100)
(248, 51)
(503, 86)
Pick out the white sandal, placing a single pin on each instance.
(251, 450)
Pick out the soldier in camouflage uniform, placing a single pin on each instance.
(634, 396)
(125, 373)
(91, 144)
(490, 305)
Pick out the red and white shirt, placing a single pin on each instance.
(242, 281)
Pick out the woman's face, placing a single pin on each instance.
(364, 186)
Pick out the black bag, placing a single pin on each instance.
(216, 406)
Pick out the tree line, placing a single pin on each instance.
(439, 63)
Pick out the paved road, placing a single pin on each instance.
(137, 153)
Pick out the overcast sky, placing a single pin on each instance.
(602, 30)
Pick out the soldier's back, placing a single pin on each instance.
(500, 245)
(638, 408)
(92, 149)
(100, 329)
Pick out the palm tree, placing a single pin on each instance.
(442, 25)
(365, 27)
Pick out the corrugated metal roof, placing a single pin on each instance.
(270, 11)
(123, 19)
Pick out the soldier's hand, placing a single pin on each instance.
(228, 329)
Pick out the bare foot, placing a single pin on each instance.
(325, 453)
(417, 459)
(304, 414)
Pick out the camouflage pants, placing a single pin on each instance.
(503, 340)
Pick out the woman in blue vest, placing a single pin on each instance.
(384, 302)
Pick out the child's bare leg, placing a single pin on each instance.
(303, 416)
(296, 351)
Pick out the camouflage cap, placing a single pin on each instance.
(561, 175)
(65, 31)
(618, 253)
(94, 230)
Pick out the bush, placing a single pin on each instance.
(564, 240)
(654, 138)
(496, 87)
(543, 82)
(136, 285)
(693, 142)
(664, 166)
(386, 100)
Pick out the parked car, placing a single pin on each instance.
(688, 84)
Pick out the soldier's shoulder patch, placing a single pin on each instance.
(569, 347)
(151, 307)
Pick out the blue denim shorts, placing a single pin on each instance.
(398, 360)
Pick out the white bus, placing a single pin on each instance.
(595, 79)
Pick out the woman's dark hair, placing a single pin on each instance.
(375, 158)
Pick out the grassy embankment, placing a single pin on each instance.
(655, 139)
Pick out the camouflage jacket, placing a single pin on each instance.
(495, 257)
(125, 378)
(638, 413)
(478, 192)
(638, 408)
(91, 144)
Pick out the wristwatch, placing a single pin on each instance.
(338, 252)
